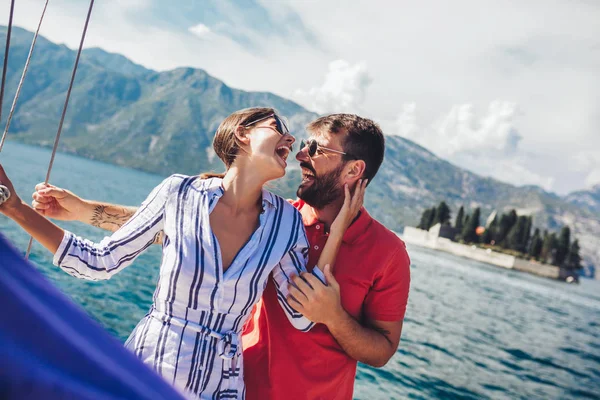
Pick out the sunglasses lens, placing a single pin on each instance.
(281, 125)
(312, 147)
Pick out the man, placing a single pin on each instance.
(361, 307)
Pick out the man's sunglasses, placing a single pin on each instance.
(313, 147)
(281, 126)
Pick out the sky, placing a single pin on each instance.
(507, 89)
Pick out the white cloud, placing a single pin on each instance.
(587, 163)
(486, 144)
(344, 89)
(593, 178)
(200, 30)
(406, 123)
(464, 54)
(510, 169)
(461, 130)
(586, 160)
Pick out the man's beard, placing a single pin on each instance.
(324, 190)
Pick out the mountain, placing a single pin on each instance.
(115, 62)
(589, 198)
(163, 122)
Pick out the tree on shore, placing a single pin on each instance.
(506, 223)
(424, 219)
(527, 234)
(509, 231)
(562, 247)
(442, 214)
(432, 218)
(513, 238)
(573, 260)
(428, 218)
(469, 233)
(536, 245)
(518, 236)
(458, 223)
(490, 232)
(549, 249)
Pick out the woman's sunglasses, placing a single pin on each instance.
(281, 126)
(313, 147)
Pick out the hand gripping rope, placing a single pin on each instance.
(4, 192)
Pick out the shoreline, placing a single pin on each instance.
(432, 241)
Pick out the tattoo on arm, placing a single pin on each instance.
(110, 220)
(384, 332)
(158, 238)
(116, 218)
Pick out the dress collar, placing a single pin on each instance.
(214, 188)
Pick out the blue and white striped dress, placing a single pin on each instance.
(191, 335)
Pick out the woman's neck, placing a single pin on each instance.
(242, 190)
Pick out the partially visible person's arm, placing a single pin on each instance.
(349, 211)
(373, 344)
(374, 340)
(58, 203)
(97, 261)
(292, 263)
(83, 258)
(42, 230)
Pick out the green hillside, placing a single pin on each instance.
(163, 122)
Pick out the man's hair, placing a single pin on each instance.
(363, 139)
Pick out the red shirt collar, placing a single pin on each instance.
(354, 231)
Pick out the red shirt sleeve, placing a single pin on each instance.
(387, 298)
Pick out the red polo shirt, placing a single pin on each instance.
(282, 363)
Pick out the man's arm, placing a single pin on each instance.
(372, 343)
(62, 204)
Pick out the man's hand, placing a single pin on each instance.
(54, 202)
(316, 301)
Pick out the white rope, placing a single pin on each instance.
(6, 49)
(14, 103)
(4, 192)
(64, 112)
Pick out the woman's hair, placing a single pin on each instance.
(225, 143)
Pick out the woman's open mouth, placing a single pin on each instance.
(283, 152)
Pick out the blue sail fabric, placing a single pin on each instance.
(51, 349)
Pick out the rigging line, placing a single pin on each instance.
(8, 33)
(14, 104)
(64, 112)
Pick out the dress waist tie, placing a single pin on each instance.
(228, 345)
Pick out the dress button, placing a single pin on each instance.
(316, 247)
(318, 226)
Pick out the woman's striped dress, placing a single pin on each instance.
(191, 335)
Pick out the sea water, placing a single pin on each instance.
(471, 330)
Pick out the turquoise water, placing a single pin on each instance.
(471, 330)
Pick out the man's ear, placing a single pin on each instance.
(355, 170)
(241, 134)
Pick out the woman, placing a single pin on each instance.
(222, 239)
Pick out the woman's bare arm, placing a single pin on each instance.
(347, 214)
(41, 229)
(58, 203)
